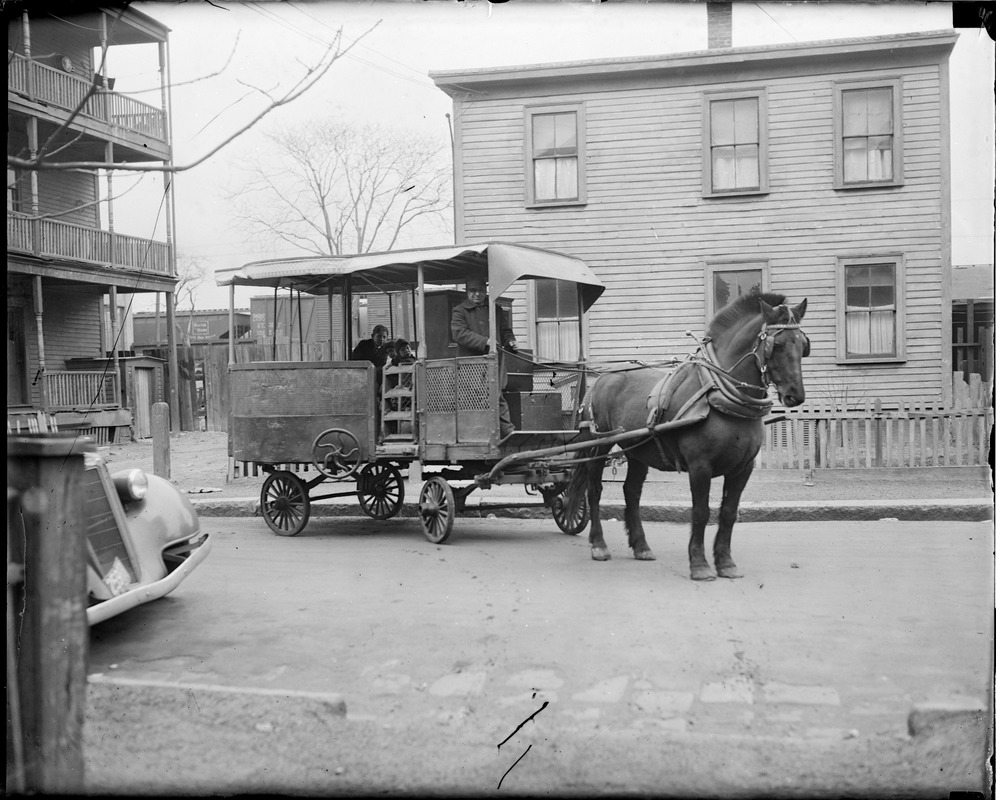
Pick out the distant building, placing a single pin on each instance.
(198, 326)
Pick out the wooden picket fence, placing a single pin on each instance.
(915, 434)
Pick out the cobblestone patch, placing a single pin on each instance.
(737, 689)
(459, 683)
(536, 679)
(803, 695)
(610, 690)
(666, 704)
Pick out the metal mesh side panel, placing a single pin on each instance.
(440, 398)
(472, 387)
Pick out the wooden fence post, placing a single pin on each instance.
(50, 636)
(160, 440)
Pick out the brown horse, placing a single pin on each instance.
(715, 402)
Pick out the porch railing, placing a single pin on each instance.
(81, 389)
(54, 87)
(56, 239)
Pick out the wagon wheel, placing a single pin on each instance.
(342, 457)
(572, 524)
(380, 490)
(436, 509)
(284, 503)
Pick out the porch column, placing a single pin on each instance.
(174, 366)
(36, 287)
(113, 302)
(109, 158)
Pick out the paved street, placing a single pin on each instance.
(442, 651)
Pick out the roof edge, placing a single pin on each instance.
(697, 58)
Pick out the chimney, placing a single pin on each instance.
(719, 24)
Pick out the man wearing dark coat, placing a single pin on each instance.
(469, 327)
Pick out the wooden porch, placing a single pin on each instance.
(65, 240)
(44, 84)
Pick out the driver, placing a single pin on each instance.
(469, 327)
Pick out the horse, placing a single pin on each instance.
(713, 404)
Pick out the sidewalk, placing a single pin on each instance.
(199, 467)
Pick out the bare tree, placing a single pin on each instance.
(45, 159)
(333, 188)
(190, 275)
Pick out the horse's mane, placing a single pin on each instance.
(746, 305)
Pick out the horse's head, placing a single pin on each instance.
(784, 345)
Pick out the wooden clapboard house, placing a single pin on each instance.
(819, 170)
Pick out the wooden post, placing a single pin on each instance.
(160, 440)
(878, 431)
(44, 475)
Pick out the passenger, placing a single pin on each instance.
(373, 349)
(403, 353)
(469, 327)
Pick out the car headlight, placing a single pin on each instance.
(133, 485)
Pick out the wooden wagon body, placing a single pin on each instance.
(353, 420)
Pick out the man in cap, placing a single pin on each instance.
(469, 326)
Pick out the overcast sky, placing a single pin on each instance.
(384, 79)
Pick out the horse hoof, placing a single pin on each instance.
(600, 554)
(703, 574)
(729, 572)
(644, 555)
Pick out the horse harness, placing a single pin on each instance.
(723, 391)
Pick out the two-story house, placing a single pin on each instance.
(66, 263)
(818, 170)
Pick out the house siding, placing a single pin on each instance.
(648, 232)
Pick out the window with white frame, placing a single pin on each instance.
(558, 320)
(555, 155)
(869, 134)
(870, 309)
(727, 282)
(735, 143)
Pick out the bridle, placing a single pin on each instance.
(764, 346)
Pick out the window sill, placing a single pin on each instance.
(862, 360)
(557, 204)
(844, 187)
(735, 193)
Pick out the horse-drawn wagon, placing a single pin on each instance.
(360, 425)
(365, 424)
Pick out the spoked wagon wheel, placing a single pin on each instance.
(336, 453)
(284, 503)
(380, 490)
(436, 509)
(571, 524)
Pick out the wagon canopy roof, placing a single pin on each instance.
(398, 269)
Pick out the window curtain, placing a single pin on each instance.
(871, 331)
(557, 340)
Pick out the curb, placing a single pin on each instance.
(970, 510)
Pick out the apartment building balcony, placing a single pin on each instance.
(54, 239)
(37, 89)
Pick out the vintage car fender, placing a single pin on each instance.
(165, 542)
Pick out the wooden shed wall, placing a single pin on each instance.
(648, 232)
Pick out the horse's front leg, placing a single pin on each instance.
(733, 487)
(636, 475)
(700, 481)
(599, 550)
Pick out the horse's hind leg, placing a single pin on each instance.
(596, 538)
(636, 474)
(733, 487)
(700, 481)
